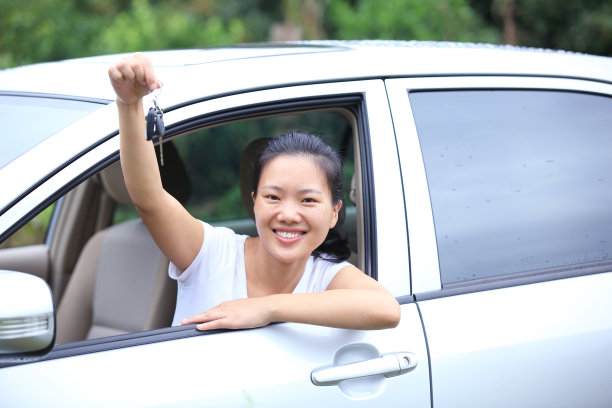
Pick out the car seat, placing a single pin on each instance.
(120, 282)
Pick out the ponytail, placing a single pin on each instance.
(335, 247)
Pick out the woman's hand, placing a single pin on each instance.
(234, 314)
(132, 78)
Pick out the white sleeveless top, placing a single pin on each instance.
(218, 273)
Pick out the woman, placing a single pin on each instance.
(296, 203)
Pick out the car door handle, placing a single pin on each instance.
(389, 365)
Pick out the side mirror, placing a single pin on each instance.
(27, 318)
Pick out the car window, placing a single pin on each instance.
(212, 160)
(32, 119)
(34, 232)
(211, 157)
(519, 180)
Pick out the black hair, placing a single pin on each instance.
(296, 143)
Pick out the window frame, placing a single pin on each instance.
(425, 269)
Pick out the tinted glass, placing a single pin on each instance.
(519, 180)
(27, 121)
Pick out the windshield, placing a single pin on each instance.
(28, 120)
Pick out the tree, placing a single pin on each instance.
(144, 26)
(441, 20)
(48, 30)
(44, 30)
(573, 25)
(576, 25)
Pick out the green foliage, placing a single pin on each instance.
(575, 25)
(150, 27)
(49, 30)
(435, 20)
(44, 30)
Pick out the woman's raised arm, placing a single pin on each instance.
(176, 232)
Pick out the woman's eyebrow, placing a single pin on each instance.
(309, 191)
(271, 187)
(302, 191)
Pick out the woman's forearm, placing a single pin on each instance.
(361, 309)
(138, 160)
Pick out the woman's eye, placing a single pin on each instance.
(309, 200)
(272, 197)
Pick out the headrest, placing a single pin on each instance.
(246, 172)
(112, 180)
(173, 174)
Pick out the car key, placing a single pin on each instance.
(155, 126)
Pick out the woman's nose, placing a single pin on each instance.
(289, 212)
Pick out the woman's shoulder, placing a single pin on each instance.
(326, 262)
(219, 232)
(318, 274)
(325, 268)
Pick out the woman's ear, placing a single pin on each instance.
(337, 208)
(253, 195)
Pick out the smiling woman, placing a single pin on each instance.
(294, 207)
(297, 207)
(317, 178)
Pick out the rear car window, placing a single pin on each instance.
(520, 181)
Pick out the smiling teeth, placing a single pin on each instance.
(288, 234)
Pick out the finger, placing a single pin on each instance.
(125, 68)
(149, 73)
(139, 74)
(114, 74)
(188, 320)
(214, 325)
(200, 318)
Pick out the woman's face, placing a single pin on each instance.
(293, 208)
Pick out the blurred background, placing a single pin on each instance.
(49, 30)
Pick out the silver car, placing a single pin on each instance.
(478, 191)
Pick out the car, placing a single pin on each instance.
(478, 190)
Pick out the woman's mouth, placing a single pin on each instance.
(290, 235)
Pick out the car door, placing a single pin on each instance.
(283, 364)
(507, 199)
(30, 157)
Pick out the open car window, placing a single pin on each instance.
(211, 158)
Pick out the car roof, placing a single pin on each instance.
(201, 73)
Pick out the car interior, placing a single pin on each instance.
(100, 259)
